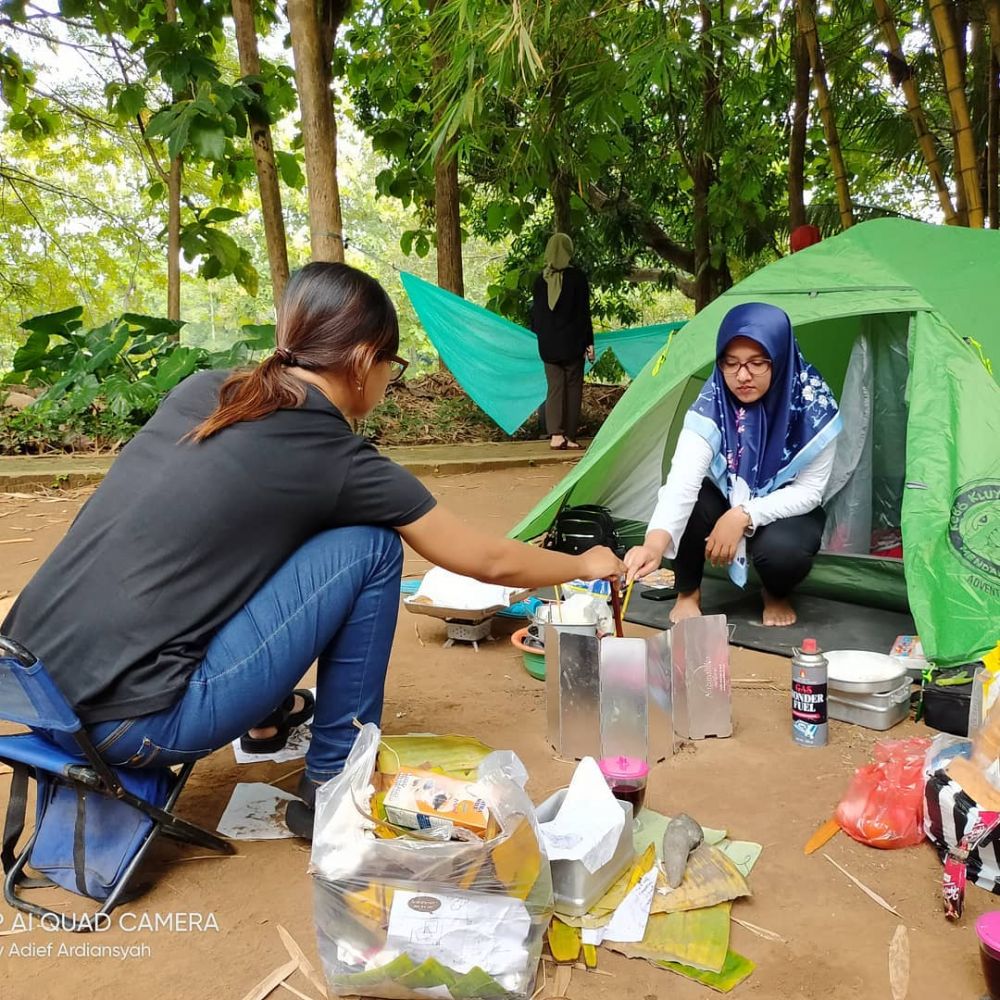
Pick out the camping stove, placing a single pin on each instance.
(460, 630)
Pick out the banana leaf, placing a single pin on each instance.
(710, 878)
(736, 969)
(457, 756)
(699, 938)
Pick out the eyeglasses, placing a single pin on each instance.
(755, 366)
(397, 366)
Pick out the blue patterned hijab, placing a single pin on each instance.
(759, 447)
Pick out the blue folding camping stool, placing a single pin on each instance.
(94, 823)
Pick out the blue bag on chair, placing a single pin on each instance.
(86, 840)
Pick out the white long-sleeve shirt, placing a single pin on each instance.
(689, 467)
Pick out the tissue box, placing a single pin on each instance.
(574, 888)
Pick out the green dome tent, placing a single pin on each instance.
(903, 319)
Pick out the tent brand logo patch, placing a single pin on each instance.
(974, 528)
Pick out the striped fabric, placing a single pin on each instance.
(948, 814)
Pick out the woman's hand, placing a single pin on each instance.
(600, 563)
(722, 543)
(643, 559)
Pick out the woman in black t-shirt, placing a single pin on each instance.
(245, 532)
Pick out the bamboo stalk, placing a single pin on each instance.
(916, 112)
(805, 13)
(965, 146)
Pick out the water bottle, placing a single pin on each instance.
(809, 725)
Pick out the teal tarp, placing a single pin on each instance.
(496, 362)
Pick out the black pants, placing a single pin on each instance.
(782, 552)
(562, 404)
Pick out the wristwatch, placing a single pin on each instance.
(751, 527)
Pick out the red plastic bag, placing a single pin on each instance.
(884, 804)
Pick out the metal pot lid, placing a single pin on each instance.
(860, 671)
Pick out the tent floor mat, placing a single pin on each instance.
(834, 624)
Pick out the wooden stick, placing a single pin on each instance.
(14, 541)
(760, 931)
(305, 966)
(628, 597)
(871, 894)
(271, 981)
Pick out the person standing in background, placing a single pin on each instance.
(560, 319)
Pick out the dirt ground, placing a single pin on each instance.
(758, 785)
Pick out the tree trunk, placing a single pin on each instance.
(797, 134)
(173, 216)
(561, 220)
(993, 17)
(708, 280)
(806, 14)
(311, 42)
(447, 207)
(993, 147)
(992, 171)
(263, 154)
(448, 223)
(902, 75)
(965, 147)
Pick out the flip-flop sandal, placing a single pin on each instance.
(284, 719)
(572, 446)
(560, 447)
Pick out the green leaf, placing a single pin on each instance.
(406, 241)
(496, 215)
(246, 274)
(221, 214)
(57, 322)
(422, 245)
(257, 336)
(290, 170)
(223, 247)
(31, 352)
(176, 366)
(153, 324)
(130, 101)
(208, 141)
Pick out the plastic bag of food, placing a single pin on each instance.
(884, 804)
(402, 914)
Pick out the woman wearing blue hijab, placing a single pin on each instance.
(750, 469)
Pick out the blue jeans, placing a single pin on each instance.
(335, 599)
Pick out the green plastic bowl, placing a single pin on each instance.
(534, 662)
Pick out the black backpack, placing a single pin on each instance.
(577, 529)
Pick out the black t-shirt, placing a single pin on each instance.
(179, 536)
(564, 333)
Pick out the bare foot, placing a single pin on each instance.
(557, 442)
(268, 731)
(573, 446)
(687, 606)
(778, 612)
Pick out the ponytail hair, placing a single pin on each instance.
(333, 319)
